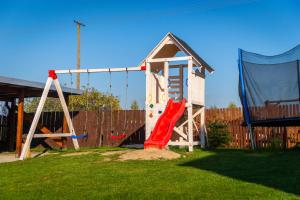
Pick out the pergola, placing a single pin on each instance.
(15, 91)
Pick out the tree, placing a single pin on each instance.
(135, 105)
(213, 107)
(91, 99)
(232, 105)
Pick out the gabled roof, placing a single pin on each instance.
(180, 45)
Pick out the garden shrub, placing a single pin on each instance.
(218, 134)
(276, 143)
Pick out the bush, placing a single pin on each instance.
(218, 134)
(276, 143)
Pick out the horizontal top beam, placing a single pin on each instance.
(180, 58)
(98, 70)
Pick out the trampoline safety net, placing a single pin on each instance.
(269, 86)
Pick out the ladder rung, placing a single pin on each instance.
(174, 86)
(52, 135)
(174, 77)
(174, 81)
(173, 92)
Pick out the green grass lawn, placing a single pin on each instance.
(220, 174)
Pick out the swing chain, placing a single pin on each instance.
(111, 112)
(87, 103)
(126, 101)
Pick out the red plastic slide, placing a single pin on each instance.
(164, 126)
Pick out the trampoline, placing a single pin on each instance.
(269, 88)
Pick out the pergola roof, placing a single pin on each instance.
(11, 88)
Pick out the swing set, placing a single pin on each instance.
(165, 101)
(53, 78)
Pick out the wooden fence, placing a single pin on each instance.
(266, 137)
(275, 111)
(100, 124)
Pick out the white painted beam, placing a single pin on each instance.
(180, 132)
(66, 112)
(183, 143)
(181, 58)
(98, 70)
(42, 135)
(190, 107)
(36, 119)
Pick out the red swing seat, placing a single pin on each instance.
(117, 137)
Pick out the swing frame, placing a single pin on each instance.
(52, 78)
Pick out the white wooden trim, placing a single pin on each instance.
(181, 58)
(66, 112)
(195, 125)
(199, 103)
(190, 108)
(194, 115)
(147, 103)
(180, 132)
(36, 119)
(183, 143)
(52, 135)
(166, 76)
(158, 47)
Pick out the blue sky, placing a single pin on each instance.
(39, 35)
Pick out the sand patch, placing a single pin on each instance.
(77, 154)
(149, 154)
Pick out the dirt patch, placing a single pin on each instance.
(77, 154)
(149, 154)
(107, 159)
(109, 153)
(11, 157)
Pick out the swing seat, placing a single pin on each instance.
(85, 135)
(117, 137)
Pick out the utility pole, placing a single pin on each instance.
(79, 24)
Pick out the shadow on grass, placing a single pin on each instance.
(279, 170)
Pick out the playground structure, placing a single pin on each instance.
(162, 86)
(269, 86)
(165, 79)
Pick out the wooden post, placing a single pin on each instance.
(202, 128)
(20, 124)
(181, 82)
(166, 76)
(148, 99)
(190, 105)
(65, 125)
(79, 24)
(285, 138)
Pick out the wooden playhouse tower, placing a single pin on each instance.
(174, 70)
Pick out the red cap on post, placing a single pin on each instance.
(143, 68)
(52, 74)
